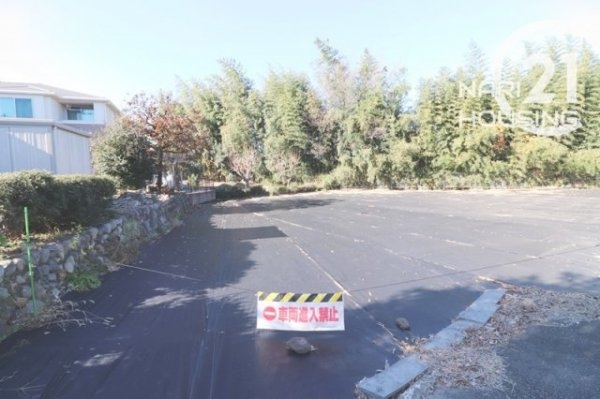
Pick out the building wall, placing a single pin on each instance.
(5, 151)
(55, 110)
(111, 115)
(72, 153)
(100, 113)
(49, 141)
(43, 146)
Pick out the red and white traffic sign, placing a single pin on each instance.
(300, 312)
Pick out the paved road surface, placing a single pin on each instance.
(184, 317)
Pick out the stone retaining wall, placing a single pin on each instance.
(140, 218)
(202, 196)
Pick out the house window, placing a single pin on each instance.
(80, 112)
(11, 107)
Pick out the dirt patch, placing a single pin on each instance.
(474, 363)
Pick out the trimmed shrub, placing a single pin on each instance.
(86, 199)
(257, 191)
(53, 202)
(33, 189)
(228, 191)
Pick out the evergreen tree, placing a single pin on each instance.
(205, 110)
(124, 154)
(290, 130)
(241, 129)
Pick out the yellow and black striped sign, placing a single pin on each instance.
(299, 298)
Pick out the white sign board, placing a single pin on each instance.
(300, 312)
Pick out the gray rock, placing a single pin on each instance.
(59, 252)
(19, 264)
(402, 324)
(44, 255)
(300, 345)
(105, 228)
(10, 270)
(1, 272)
(52, 277)
(35, 256)
(70, 264)
(6, 310)
(26, 291)
(40, 291)
(84, 241)
(4, 293)
(93, 233)
(20, 279)
(39, 306)
(53, 266)
(21, 302)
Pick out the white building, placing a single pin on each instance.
(44, 127)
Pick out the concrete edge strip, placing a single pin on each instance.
(394, 379)
(403, 373)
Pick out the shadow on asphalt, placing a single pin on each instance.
(567, 281)
(165, 330)
(279, 204)
(427, 310)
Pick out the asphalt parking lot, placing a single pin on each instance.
(189, 331)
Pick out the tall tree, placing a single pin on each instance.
(166, 125)
(366, 106)
(203, 105)
(291, 131)
(242, 127)
(124, 154)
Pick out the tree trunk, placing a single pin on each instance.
(160, 170)
(246, 182)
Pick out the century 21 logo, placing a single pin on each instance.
(562, 119)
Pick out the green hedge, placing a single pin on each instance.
(227, 191)
(53, 201)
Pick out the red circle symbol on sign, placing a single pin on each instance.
(269, 313)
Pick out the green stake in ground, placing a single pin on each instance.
(29, 259)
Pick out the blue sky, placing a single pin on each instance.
(115, 48)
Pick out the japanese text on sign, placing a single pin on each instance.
(300, 312)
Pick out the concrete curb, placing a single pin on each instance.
(403, 373)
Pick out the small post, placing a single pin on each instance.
(30, 264)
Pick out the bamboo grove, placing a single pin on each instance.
(355, 126)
